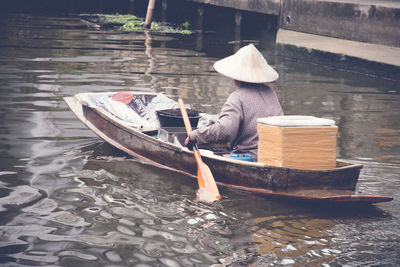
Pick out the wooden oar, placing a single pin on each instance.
(208, 190)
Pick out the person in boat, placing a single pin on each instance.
(237, 122)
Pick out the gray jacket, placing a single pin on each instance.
(237, 122)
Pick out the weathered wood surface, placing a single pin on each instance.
(225, 171)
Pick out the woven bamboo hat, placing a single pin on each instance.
(247, 65)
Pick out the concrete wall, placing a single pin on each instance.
(372, 21)
(260, 6)
(365, 21)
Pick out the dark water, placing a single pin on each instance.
(68, 199)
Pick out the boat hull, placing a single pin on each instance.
(254, 177)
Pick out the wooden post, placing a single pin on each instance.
(149, 14)
(200, 18)
(164, 10)
(101, 6)
(199, 27)
(131, 6)
(238, 24)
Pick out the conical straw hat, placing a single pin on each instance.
(247, 65)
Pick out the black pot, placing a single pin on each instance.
(173, 117)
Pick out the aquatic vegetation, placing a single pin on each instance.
(130, 22)
(119, 19)
(133, 25)
(159, 27)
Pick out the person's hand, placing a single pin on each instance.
(189, 143)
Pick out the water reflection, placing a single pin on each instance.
(293, 239)
(365, 110)
(66, 198)
(288, 237)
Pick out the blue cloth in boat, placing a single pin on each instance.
(237, 122)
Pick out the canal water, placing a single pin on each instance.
(69, 199)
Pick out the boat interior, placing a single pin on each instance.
(154, 114)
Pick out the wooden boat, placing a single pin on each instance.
(141, 136)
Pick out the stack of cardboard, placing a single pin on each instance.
(299, 142)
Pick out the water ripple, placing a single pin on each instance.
(77, 254)
(61, 205)
(20, 195)
(67, 218)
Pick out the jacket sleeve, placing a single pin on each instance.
(226, 129)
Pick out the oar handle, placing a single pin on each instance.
(185, 117)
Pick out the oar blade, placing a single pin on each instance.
(208, 190)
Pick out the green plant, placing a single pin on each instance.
(134, 25)
(185, 32)
(186, 25)
(154, 26)
(119, 19)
